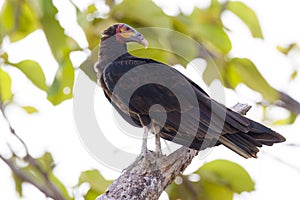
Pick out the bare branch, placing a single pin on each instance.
(288, 103)
(48, 188)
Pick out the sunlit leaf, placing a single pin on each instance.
(212, 35)
(91, 195)
(34, 73)
(180, 191)
(212, 71)
(60, 186)
(247, 15)
(46, 162)
(34, 174)
(97, 182)
(27, 22)
(286, 50)
(215, 191)
(219, 179)
(294, 75)
(208, 29)
(134, 12)
(53, 31)
(18, 185)
(62, 86)
(228, 174)
(30, 109)
(5, 86)
(7, 19)
(17, 19)
(242, 70)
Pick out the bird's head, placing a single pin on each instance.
(124, 34)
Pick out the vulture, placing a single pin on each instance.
(160, 99)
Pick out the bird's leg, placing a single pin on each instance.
(144, 144)
(144, 150)
(157, 144)
(156, 130)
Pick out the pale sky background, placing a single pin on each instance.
(53, 128)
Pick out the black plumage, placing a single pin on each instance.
(206, 123)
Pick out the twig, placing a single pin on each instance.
(282, 161)
(50, 190)
(292, 145)
(12, 130)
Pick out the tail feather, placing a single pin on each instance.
(245, 150)
(246, 144)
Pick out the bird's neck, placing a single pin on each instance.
(110, 50)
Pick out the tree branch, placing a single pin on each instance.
(288, 103)
(48, 188)
(148, 177)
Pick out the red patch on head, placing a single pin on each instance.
(119, 28)
(117, 33)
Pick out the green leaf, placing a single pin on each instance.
(215, 191)
(55, 35)
(17, 19)
(247, 15)
(46, 162)
(5, 86)
(180, 191)
(97, 182)
(212, 71)
(213, 35)
(294, 75)
(134, 12)
(30, 109)
(7, 20)
(286, 50)
(60, 186)
(34, 73)
(62, 86)
(18, 185)
(207, 27)
(219, 179)
(228, 174)
(242, 70)
(91, 195)
(60, 45)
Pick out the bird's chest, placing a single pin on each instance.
(112, 76)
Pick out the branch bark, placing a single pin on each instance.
(148, 176)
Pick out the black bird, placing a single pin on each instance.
(186, 114)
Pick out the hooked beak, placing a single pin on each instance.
(139, 38)
(128, 34)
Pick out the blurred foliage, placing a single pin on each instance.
(218, 179)
(98, 184)
(40, 172)
(19, 18)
